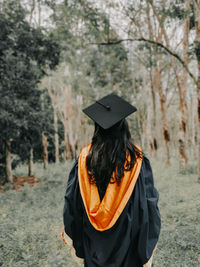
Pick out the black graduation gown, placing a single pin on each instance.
(132, 239)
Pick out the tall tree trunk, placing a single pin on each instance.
(30, 163)
(141, 126)
(192, 124)
(182, 87)
(148, 124)
(197, 39)
(198, 109)
(181, 81)
(181, 84)
(56, 137)
(157, 82)
(71, 138)
(39, 13)
(148, 104)
(153, 93)
(199, 124)
(153, 96)
(44, 141)
(32, 10)
(165, 131)
(9, 175)
(45, 150)
(67, 144)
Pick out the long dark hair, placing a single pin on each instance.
(109, 155)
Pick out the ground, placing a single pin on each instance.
(18, 183)
(31, 218)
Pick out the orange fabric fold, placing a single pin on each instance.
(104, 214)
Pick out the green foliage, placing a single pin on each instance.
(197, 50)
(176, 11)
(149, 51)
(192, 16)
(194, 50)
(107, 65)
(25, 53)
(91, 69)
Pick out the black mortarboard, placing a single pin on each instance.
(109, 110)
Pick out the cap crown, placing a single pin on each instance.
(109, 110)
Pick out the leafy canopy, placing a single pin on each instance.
(25, 54)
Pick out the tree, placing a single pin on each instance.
(197, 53)
(87, 72)
(25, 53)
(173, 25)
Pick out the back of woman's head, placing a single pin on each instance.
(112, 152)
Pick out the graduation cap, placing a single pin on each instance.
(109, 110)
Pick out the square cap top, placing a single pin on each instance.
(109, 110)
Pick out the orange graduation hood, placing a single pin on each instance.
(104, 214)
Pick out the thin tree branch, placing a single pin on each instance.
(154, 43)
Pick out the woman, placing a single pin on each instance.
(110, 210)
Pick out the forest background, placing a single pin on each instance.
(57, 57)
(60, 56)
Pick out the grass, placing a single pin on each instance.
(31, 219)
(179, 243)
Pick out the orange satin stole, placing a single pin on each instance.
(104, 214)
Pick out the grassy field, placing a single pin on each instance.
(31, 219)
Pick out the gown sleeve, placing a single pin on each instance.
(150, 221)
(73, 212)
